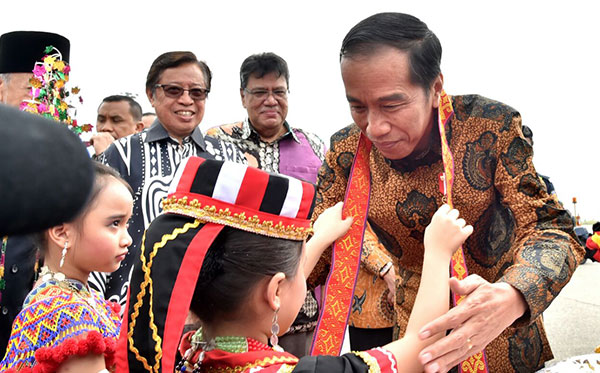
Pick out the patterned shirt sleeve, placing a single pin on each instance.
(547, 251)
(374, 256)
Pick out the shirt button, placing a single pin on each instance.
(4, 311)
(14, 268)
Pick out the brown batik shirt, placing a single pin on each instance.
(521, 235)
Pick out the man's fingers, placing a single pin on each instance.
(466, 286)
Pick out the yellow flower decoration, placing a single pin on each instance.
(59, 65)
(63, 106)
(49, 60)
(59, 84)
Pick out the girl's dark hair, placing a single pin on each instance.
(404, 32)
(101, 174)
(174, 59)
(235, 263)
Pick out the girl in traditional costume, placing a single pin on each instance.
(230, 248)
(65, 326)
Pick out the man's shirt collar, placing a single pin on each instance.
(248, 130)
(157, 132)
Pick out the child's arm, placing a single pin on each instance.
(443, 236)
(328, 227)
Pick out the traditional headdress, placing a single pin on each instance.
(20, 50)
(205, 196)
(45, 173)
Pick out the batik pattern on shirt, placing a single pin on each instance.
(521, 235)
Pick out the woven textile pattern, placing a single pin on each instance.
(53, 314)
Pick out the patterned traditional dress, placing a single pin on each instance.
(258, 357)
(521, 235)
(60, 320)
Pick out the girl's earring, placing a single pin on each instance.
(274, 332)
(64, 254)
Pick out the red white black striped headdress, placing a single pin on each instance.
(205, 196)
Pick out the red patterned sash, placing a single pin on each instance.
(339, 289)
(458, 267)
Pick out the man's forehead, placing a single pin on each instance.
(114, 108)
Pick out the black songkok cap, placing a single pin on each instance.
(20, 50)
(45, 173)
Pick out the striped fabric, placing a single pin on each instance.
(244, 186)
(205, 195)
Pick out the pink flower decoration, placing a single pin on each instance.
(39, 70)
(67, 69)
(42, 108)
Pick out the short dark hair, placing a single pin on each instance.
(134, 108)
(261, 64)
(174, 59)
(403, 32)
(234, 265)
(596, 226)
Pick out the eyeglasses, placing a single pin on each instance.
(262, 94)
(175, 91)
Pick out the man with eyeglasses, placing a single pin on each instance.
(271, 144)
(177, 86)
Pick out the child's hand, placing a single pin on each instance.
(446, 232)
(330, 226)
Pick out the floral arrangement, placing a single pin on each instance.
(48, 91)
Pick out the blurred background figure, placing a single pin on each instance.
(592, 244)
(118, 116)
(148, 118)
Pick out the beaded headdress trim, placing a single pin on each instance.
(214, 211)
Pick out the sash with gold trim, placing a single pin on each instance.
(345, 261)
(458, 266)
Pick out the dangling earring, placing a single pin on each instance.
(64, 254)
(274, 332)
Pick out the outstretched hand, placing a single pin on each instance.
(446, 232)
(330, 225)
(483, 314)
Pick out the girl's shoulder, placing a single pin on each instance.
(54, 314)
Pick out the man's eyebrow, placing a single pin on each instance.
(393, 97)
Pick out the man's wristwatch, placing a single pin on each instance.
(385, 269)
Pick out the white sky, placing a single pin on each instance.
(538, 56)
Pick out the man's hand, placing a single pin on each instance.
(390, 281)
(483, 314)
(101, 141)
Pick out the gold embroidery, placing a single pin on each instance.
(369, 360)
(258, 363)
(252, 224)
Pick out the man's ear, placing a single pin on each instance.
(139, 126)
(437, 88)
(150, 96)
(274, 290)
(243, 97)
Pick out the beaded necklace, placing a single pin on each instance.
(78, 287)
(2, 260)
(233, 344)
